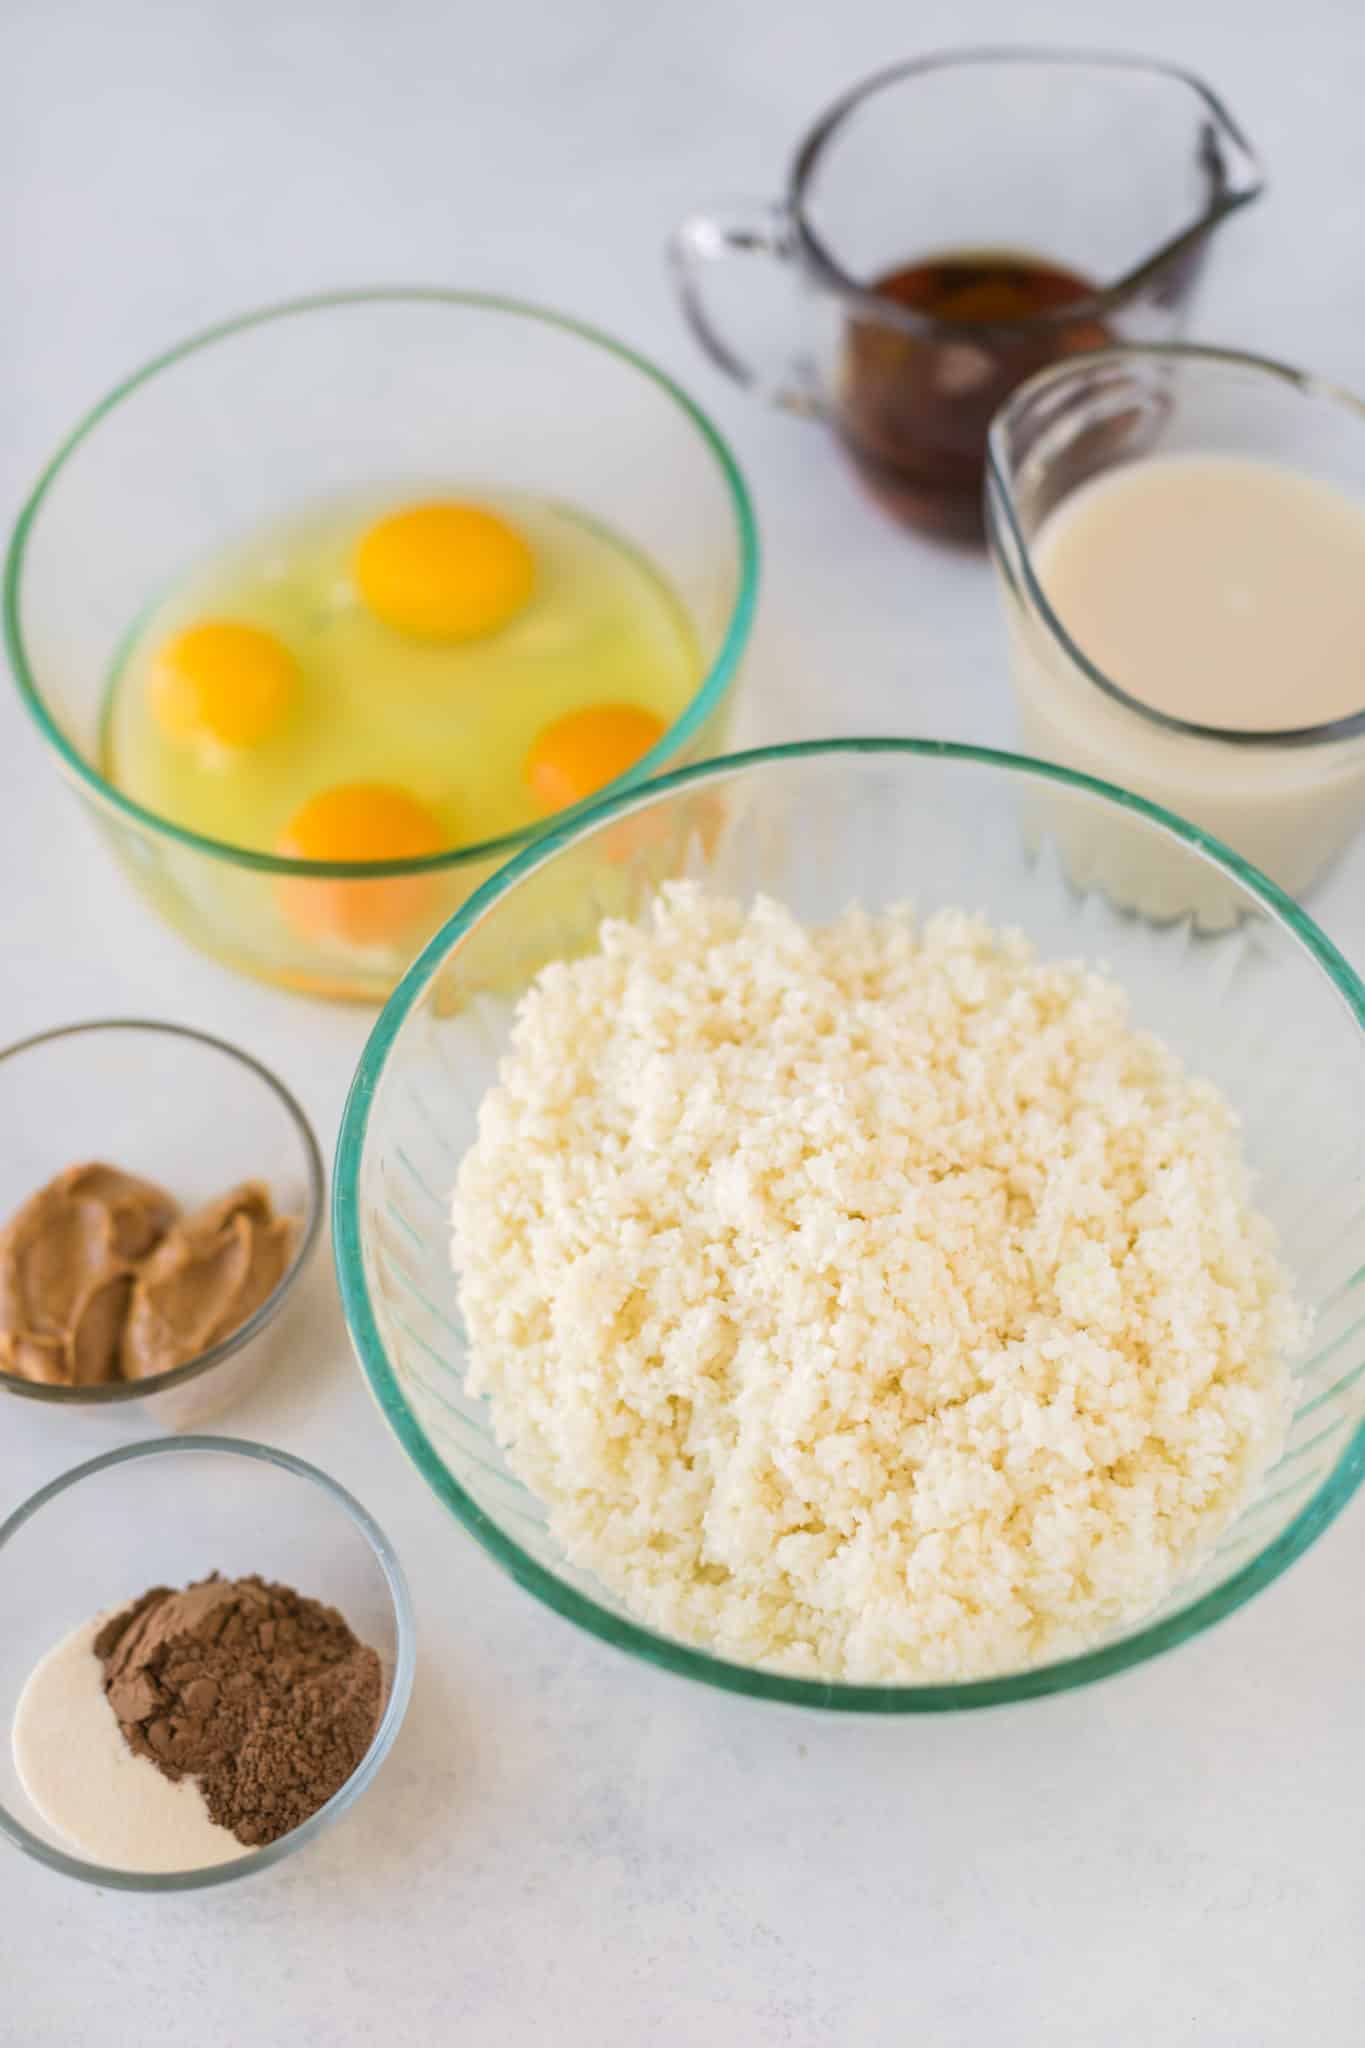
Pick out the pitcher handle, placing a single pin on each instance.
(739, 228)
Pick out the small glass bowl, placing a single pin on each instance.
(165, 1514)
(316, 399)
(1266, 1009)
(195, 1115)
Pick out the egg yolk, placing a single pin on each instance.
(583, 751)
(224, 682)
(444, 571)
(358, 821)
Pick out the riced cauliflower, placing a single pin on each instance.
(871, 1302)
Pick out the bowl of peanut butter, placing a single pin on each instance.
(160, 1193)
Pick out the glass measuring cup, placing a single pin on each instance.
(1288, 799)
(1079, 191)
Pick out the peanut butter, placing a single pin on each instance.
(66, 1272)
(210, 1272)
(102, 1279)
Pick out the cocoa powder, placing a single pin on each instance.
(264, 1696)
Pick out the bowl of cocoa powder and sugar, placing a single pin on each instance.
(207, 1655)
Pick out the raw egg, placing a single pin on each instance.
(583, 751)
(358, 821)
(222, 682)
(444, 571)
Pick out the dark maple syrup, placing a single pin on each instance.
(916, 405)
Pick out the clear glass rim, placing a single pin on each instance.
(886, 313)
(714, 685)
(599, 1620)
(395, 1706)
(315, 1202)
(1000, 504)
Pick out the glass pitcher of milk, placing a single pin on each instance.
(1179, 534)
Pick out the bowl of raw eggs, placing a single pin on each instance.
(328, 611)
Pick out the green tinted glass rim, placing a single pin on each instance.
(1315, 1516)
(714, 685)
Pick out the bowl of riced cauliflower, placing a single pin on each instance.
(851, 1260)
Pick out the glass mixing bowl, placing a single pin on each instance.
(166, 1514)
(1266, 1008)
(310, 400)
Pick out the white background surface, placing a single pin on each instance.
(567, 1848)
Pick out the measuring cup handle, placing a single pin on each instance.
(704, 240)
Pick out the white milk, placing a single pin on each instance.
(1225, 592)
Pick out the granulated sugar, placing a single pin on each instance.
(112, 1807)
(192, 1726)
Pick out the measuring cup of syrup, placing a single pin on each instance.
(954, 225)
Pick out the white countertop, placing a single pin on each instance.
(566, 1847)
